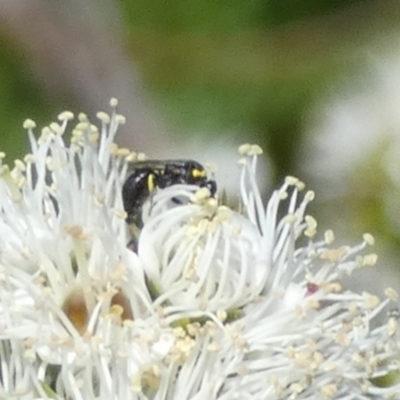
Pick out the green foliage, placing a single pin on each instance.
(277, 12)
(217, 66)
(21, 94)
(201, 16)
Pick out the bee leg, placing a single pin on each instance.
(211, 185)
(175, 200)
(133, 244)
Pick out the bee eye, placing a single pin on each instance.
(191, 165)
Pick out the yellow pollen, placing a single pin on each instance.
(29, 124)
(82, 117)
(311, 226)
(369, 239)
(393, 327)
(329, 237)
(141, 157)
(329, 391)
(370, 260)
(123, 152)
(392, 294)
(82, 126)
(103, 117)
(120, 119)
(334, 255)
(291, 180)
(65, 116)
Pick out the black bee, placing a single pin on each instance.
(149, 175)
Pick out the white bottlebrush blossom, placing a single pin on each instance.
(216, 304)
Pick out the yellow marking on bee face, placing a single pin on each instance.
(198, 173)
(151, 182)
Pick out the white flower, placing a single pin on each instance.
(215, 304)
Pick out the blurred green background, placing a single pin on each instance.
(215, 65)
(257, 70)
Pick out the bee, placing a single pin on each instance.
(149, 175)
